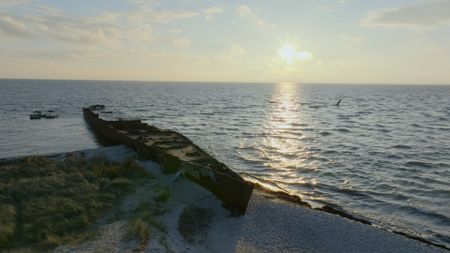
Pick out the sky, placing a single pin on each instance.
(323, 41)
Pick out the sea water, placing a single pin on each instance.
(383, 153)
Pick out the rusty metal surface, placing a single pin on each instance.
(176, 152)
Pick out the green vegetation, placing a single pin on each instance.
(45, 203)
(7, 223)
(139, 228)
(162, 194)
(145, 220)
(194, 221)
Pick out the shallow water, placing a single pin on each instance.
(384, 153)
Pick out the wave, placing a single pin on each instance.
(439, 218)
(393, 156)
(342, 130)
(418, 164)
(402, 147)
(299, 124)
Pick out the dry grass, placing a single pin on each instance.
(194, 222)
(139, 228)
(45, 203)
(145, 221)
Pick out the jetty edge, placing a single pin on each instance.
(176, 153)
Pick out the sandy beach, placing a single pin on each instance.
(270, 224)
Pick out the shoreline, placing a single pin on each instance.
(263, 199)
(337, 210)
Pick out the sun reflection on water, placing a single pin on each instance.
(285, 147)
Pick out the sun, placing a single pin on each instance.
(287, 53)
(290, 55)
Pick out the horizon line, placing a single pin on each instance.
(221, 82)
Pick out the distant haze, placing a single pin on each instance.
(331, 41)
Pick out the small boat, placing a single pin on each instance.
(36, 115)
(177, 154)
(39, 115)
(97, 107)
(49, 116)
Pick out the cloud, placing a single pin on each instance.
(350, 38)
(106, 28)
(145, 14)
(169, 15)
(181, 42)
(419, 16)
(13, 26)
(11, 3)
(245, 11)
(143, 34)
(342, 2)
(211, 11)
(74, 31)
(95, 36)
(325, 8)
(330, 7)
(59, 26)
(237, 50)
(60, 54)
(234, 55)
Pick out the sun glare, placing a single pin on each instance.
(289, 54)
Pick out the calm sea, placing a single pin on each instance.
(383, 154)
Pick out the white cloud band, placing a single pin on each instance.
(421, 15)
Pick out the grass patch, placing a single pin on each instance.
(150, 213)
(194, 222)
(146, 220)
(139, 228)
(7, 223)
(162, 194)
(45, 203)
